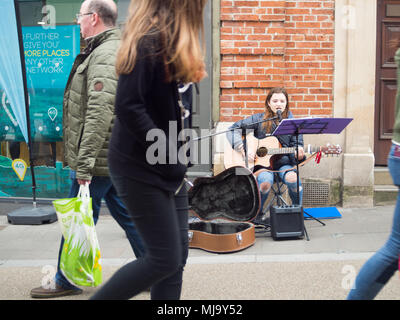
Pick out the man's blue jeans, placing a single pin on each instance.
(377, 271)
(102, 188)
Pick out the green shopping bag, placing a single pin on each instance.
(80, 258)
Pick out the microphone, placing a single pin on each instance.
(279, 114)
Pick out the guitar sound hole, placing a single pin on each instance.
(262, 152)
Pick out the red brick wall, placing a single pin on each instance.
(276, 43)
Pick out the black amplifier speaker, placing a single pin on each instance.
(287, 222)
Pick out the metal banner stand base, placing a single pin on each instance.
(32, 216)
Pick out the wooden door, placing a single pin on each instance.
(388, 29)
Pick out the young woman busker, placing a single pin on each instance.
(277, 101)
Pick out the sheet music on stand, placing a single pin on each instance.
(311, 126)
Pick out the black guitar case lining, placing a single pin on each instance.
(232, 195)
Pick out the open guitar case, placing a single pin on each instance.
(233, 199)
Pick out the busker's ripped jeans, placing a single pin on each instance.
(378, 270)
(162, 221)
(268, 176)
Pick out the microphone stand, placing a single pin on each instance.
(225, 131)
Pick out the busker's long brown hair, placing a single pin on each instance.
(180, 22)
(268, 111)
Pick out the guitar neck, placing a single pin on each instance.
(307, 149)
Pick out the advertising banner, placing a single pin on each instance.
(49, 56)
(13, 110)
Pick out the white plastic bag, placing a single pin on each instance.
(80, 258)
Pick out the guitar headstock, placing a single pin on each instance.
(332, 149)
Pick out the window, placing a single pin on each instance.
(51, 41)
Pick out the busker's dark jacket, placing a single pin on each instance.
(252, 123)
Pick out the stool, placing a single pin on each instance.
(277, 189)
(276, 197)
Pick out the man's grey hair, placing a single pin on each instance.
(106, 12)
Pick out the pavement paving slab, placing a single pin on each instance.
(319, 269)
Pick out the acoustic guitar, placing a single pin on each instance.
(265, 151)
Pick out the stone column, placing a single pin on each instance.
(354, 95)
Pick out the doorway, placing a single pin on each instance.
(388, 30)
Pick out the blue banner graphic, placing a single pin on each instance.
(49, 56)
(12, 98)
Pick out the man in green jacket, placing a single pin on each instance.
(88, 113)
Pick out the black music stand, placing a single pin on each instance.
(309, 126)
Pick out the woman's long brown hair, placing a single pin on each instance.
(268, 111)
(180, 23)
